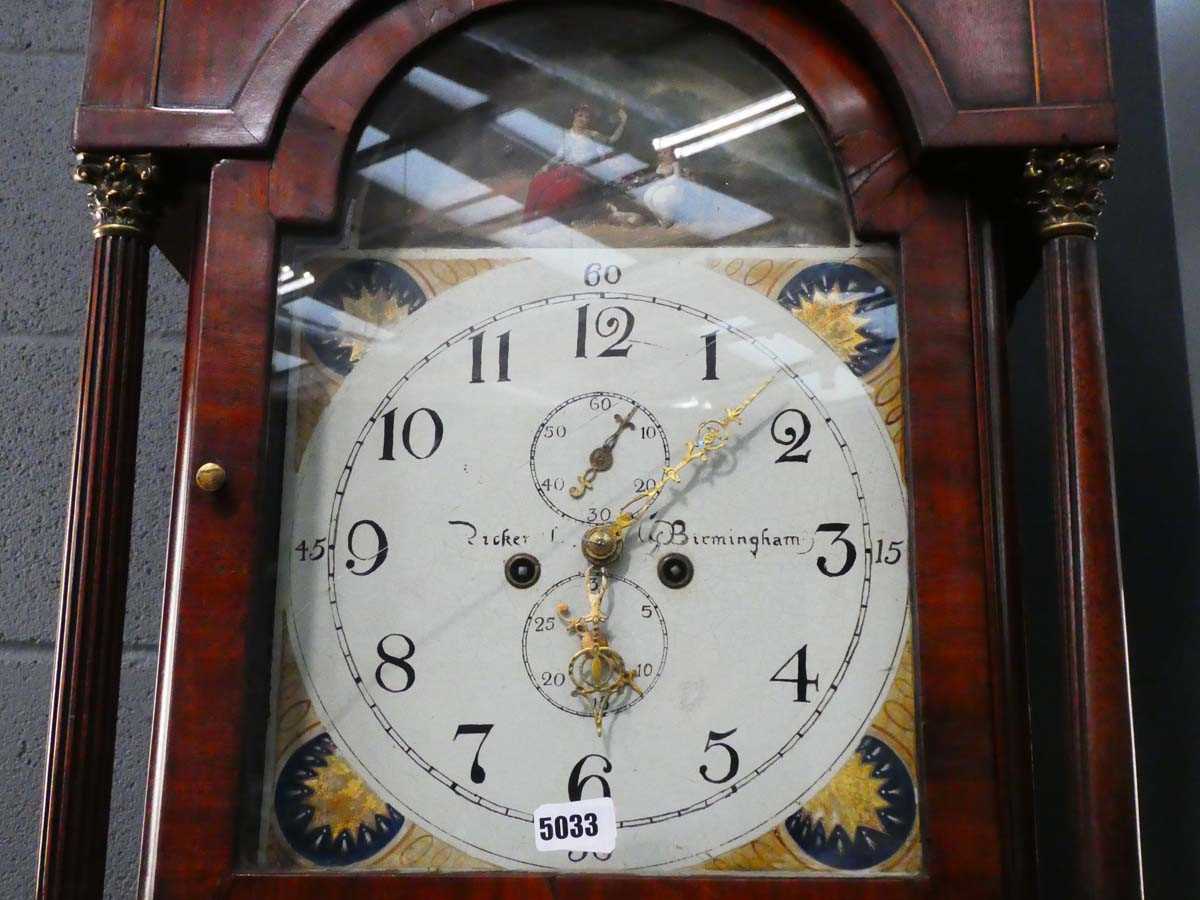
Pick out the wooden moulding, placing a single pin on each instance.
(168, 89)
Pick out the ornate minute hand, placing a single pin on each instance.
(601, 459)
(602, 544)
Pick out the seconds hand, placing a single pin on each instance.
(601, 459)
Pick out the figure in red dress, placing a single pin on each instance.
(563, 181)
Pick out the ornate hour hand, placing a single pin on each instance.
(602, 544)
(601, 459)
(596, 669)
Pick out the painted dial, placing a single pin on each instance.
(426, 664)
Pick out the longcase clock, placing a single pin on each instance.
(592, 461)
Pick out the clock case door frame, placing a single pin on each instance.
(975, 781)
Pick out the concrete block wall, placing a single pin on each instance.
(45, 260)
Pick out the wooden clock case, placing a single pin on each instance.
(208, 127)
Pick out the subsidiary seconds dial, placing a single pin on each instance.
(592, 450)
(461, 698)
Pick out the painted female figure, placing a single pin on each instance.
(562, 182)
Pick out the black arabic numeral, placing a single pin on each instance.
(575, 792)
(888, 556)
(716, 739)
(313, 553)
(581, 331)
(575, 783)
(801, 681)
(576, 821)
(477, 771)
(392, 661)
(608, 327)
(611, 319)
(595, 272)
(788, 438)
(591, 825)
(406, 434)
(477, 358)
(377, 558)
(710, 357)
(839, 529)
(581, 855)
(389, 436)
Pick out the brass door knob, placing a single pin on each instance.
(210, 477)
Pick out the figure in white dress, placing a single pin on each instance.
(666, 195)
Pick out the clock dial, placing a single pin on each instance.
(455, 444)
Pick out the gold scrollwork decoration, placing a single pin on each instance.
(1063, 189)
(124, 195)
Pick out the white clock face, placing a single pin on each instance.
(461, 442)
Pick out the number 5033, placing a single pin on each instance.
(574, 825)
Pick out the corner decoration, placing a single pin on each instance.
(1064, 189)
(123, 196)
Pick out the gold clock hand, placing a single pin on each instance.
(601, 459)
(602, 543)
(596, 669)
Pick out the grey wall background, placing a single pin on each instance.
(44, 266)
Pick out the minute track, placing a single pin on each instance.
(547, 303)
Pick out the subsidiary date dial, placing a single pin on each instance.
(452, 691)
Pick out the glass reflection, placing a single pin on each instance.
(625, 136)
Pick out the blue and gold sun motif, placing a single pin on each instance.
(863, 816)
(849, 308)
(326, 812)
(360, 298)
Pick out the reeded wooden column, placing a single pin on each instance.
(96, 561)
(1067, 199)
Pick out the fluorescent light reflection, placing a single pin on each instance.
(445, 89)
(285, 362)
(371, 137)
(780, 115)
(318, 315)
(722, 122)
(421, 178)
(303, 281)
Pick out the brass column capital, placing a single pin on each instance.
(1063, 189)
(125, 192)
